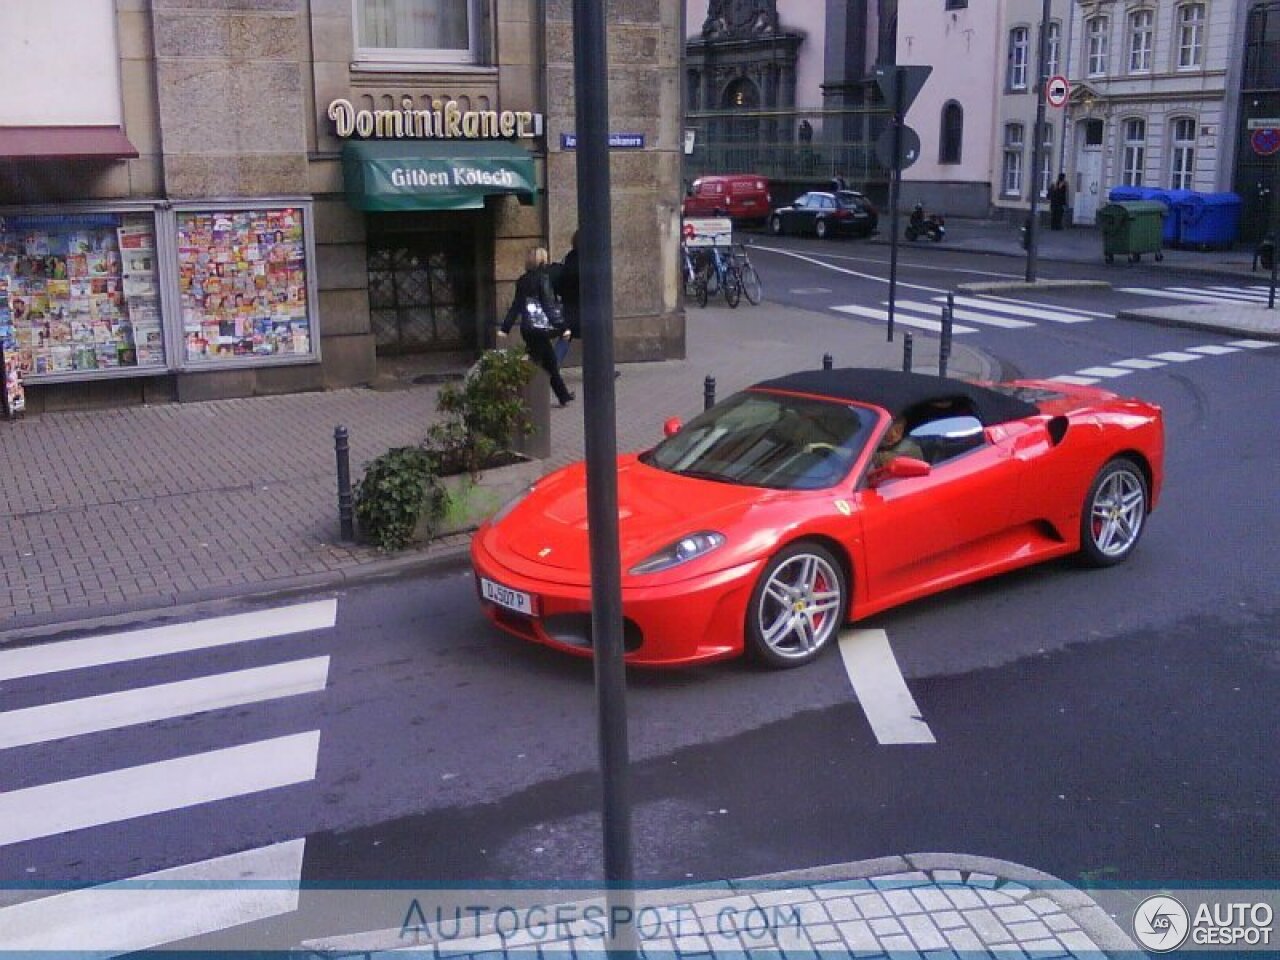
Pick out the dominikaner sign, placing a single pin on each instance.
(446, 120)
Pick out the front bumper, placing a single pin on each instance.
(692, 621)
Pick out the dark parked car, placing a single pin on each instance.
(826, 215)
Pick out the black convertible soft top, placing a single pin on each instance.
(900, 393)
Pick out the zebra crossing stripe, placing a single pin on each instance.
(1139, 363)
(1103, 373)
(903, 319)
(1176, 356)
(1089, 314)
(1035, 311)
(1214, 350)
(1233, 296)
(161, 907)
(110, 711)
(973, 316)
(1171, 295)
(95, 651)
(1243, 292)
(1251, 344)
(149, 788)
(881, 688)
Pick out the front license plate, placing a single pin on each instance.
(516, 600)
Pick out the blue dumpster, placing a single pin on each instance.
(1173, 199)
(1209, 220)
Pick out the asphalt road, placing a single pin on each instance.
(1099, 725)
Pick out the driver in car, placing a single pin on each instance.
(896, 443)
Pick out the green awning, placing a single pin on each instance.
(385, 175)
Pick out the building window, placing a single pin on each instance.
(1046, 160)
(1135, 142)
(1013, 141)
(1096, 46)
(1140, 29)
(1055, 49)
(1016, 72)
(957, 4)
(952, 132)
(399, 32)
(1183, 154)
(1190, 35)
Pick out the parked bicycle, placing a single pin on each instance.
(751, 285)
(720, 273)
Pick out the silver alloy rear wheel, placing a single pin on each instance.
(797, 606)
(1114, 514)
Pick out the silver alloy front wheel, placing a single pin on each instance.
(797, 606)
(1115, 513)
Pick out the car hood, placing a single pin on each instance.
(655, 508)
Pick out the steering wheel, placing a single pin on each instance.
(820, 447)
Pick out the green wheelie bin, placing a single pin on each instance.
(1132, 228)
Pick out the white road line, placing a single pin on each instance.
(1214, 350)
(1072, 379)
(1020, 310)
(110, 711)
(1248, 294)
(1252, 344)
(903, 319)
(161, 907)
(1092, 314)
(845, 270)
(1105, 373)
(1176, 356)
(1233, 296)
(100, 798)
(973, 316)
(95, 651)
(1171, 295)
(881, 689)
(1139, 363)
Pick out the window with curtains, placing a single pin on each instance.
(1016, 73)
(415, 31)
(1183, 153)
(1190, 35)
(1135, 149)
(1096, 46)
(1013, 142)
(1140, 30)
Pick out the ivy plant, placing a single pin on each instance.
(396, 491)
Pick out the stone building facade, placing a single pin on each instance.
(209, 227)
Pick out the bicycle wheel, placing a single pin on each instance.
(700, 290)
(751, 284)
(732, 286)
(711, 279)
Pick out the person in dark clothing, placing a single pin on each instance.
(567, 288)
(1057, 202)
(535, 305)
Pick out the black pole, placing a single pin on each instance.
(827, 361)
(708, 392)
(346, 513)
(895, 189)
(944, 348)
(1037, 144)
(906, 352)
(1275, 261)
(591, 116)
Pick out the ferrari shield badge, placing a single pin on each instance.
(843, 507)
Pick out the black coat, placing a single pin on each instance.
(567, 287)
(533, 284)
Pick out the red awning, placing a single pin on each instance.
(65, 143)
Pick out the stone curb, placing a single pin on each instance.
(1169, 318)
(1105, 933)
(998, 286)
(440, 558)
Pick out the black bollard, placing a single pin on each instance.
(827, 361)
(708, 392)
(906, 352)
(944, 348)
(346, 512)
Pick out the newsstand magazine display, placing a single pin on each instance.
(243, 284)
(15, 399)
(75, 305)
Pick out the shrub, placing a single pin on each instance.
(397, 489)
(481, 413)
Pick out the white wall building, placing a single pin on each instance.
(1153, 96)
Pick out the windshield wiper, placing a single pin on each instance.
(705, 475)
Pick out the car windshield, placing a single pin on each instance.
(769, 440)
(852, 200)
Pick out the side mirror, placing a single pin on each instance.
(671, 426)
(901, 468)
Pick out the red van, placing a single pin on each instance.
(740, 196)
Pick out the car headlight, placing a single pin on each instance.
(510, 505)
(683, 550)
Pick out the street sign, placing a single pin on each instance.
(1266, 141)
(1263, 123)
(911, 79)
(1056, 91)
(908, 153)
(707, 231)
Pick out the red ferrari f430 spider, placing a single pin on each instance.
(767, 522)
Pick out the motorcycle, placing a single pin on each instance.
(932, 225)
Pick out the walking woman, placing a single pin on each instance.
(535, 304)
